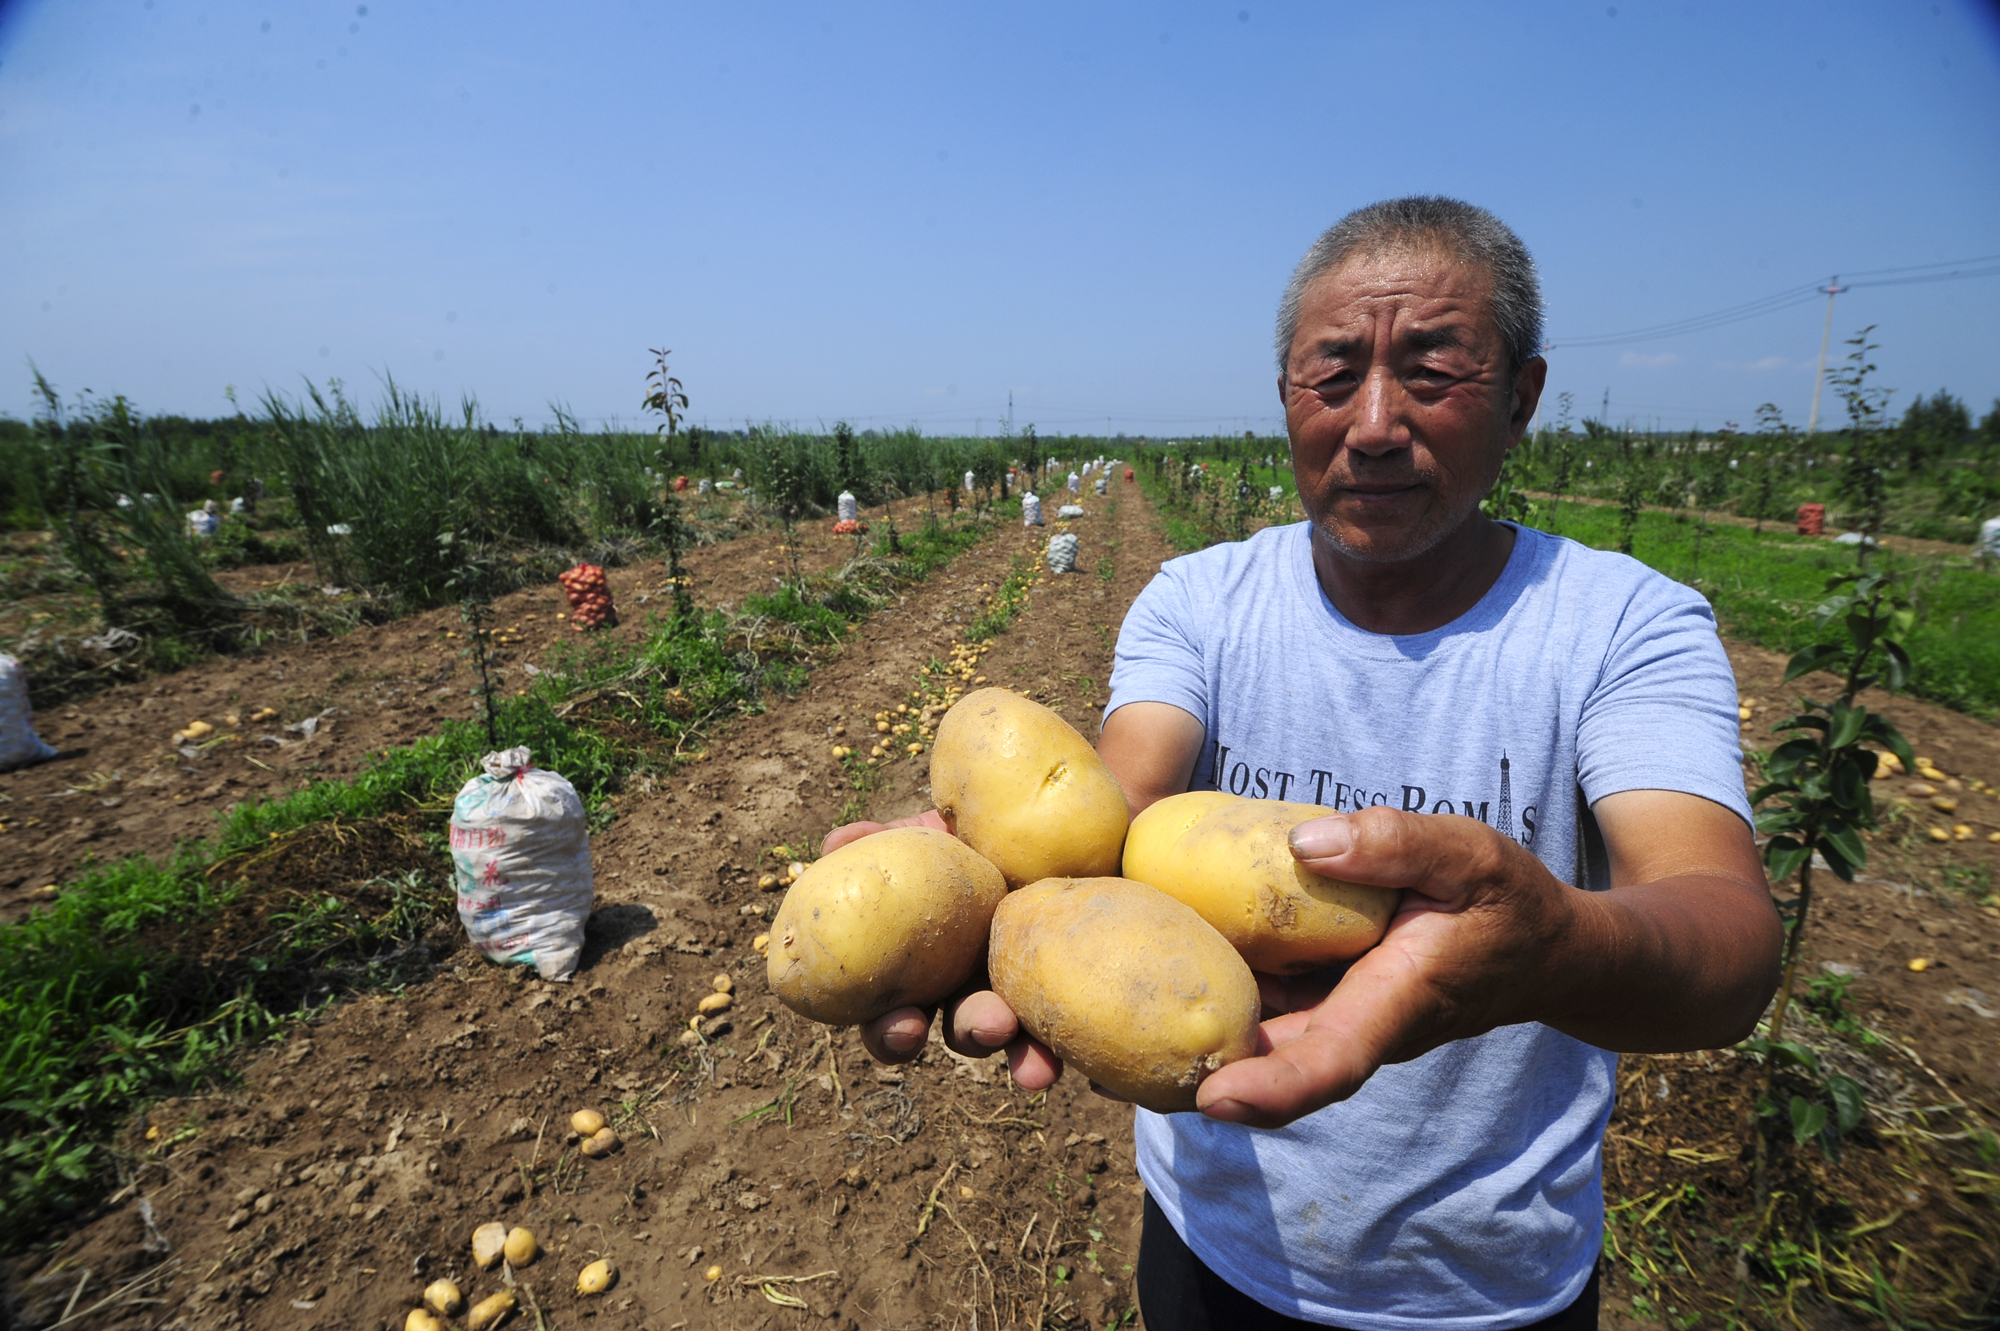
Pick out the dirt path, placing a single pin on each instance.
(353, 1164)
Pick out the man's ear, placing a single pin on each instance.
(1527, 396)
(1284, 381)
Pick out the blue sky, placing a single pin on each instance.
(900, 213)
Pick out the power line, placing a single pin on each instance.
(1951, 270)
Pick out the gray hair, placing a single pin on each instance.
(1470, 234)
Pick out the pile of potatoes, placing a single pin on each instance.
(1143, 982)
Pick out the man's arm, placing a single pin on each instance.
(1680, 953)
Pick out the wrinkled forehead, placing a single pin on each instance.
(1419, 285)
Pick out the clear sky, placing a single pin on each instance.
(902, 213)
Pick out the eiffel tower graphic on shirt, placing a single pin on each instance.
(1503, 821)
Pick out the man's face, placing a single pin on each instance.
(1399, 402)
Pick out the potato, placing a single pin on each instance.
(489, 1311)
(1016, 783)
(488, 1243)
(1150, 841)
(894, 919)
(599, 1276)
(422, 1319)
(1125, 984)
(443, 1298)
(1229, 859)
(716, 1002)
(585, 1122)
(521, 1247)
(602, 1142)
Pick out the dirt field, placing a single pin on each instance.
(351, 1165)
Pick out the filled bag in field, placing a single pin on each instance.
(19, 744)
(589, 598)
(520, 850)
(1062, 553)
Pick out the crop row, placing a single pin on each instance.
(113, 995)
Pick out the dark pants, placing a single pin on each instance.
(1177, 1292)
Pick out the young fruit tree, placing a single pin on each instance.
(1816, 802)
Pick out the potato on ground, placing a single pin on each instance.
(1230, 860)
(893, 920)
(1126, 985)
(1017, 783)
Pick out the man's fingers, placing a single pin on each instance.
(1307, 1074)
(980, 1023)
(1445, 857)
(898, 1036)
(841, 836)
(1032, 1065)
(1308, 1060)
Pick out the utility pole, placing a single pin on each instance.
(1832, 289)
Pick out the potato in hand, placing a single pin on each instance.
(893, 920)
(1018, 784)
(1128, 986)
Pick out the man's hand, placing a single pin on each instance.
(977, 1020)
(847, 832)
(1681, 953)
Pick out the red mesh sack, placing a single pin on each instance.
(589, 598)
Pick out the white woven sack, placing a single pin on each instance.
(1062, 553)
(19, 744)
(1031, 511)
(844, 508)
(521, 850)
(1989, 539)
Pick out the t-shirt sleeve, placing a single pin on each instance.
(1159, 656)
(1663, 713)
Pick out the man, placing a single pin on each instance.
(1535, 740)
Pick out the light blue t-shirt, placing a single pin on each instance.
(1463, 1189)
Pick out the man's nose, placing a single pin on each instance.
(1377, 424)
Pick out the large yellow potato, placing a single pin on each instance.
(1149, 844)
(1020, 786)
(1125, 984)
(1229, 859)
(892, 920)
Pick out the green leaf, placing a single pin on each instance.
(1813, 658)
(1783, 856)
(1850, 1106)
(1846, 727)
(1808, 1119)
(1899, 671)
(1791, 1052)
(1843, 851)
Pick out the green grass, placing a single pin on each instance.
(100, 1017)
(1008, 601)
(1765, 585)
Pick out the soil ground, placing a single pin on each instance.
(350, 1165)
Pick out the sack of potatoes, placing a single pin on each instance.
(1143, 983)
